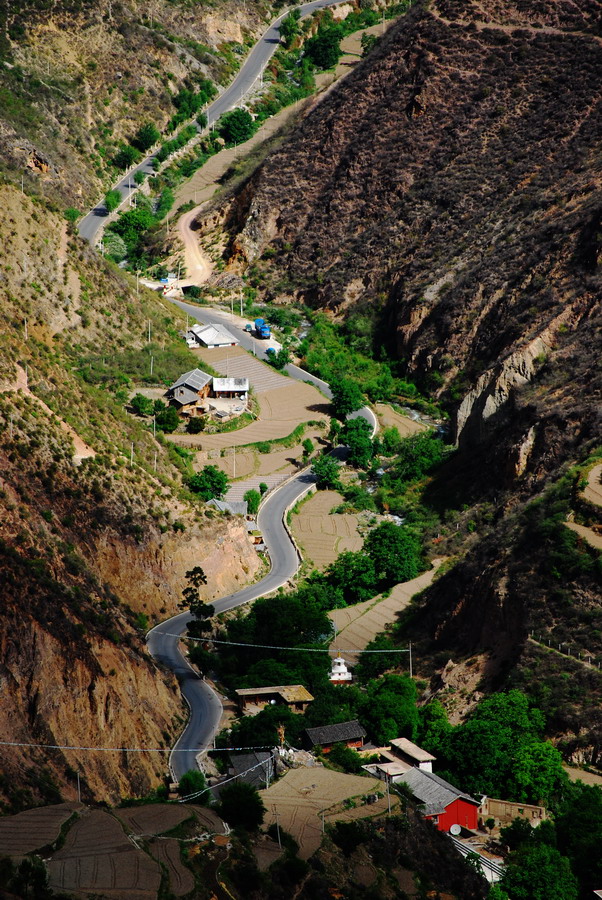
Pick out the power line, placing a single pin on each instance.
(273, 647)
(129, 749)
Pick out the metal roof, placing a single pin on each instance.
(195, 379)
(332, 734)
(213, 334)
(236, 507)
(184, 395)
(434, 792)
(230, 384)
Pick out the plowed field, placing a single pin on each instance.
(167, 851)
(154, 819)
(99, 859)
(33, 829)
(321, 536)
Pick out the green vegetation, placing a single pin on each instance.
(346, 397)
(326, 470)
(253, 499)
(147, 135)
(142, 405)
(193, 782)
(241, 806)
(209, 483)
(112, 200)
(167, 420)
(236, 127)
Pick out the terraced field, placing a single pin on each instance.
(33, 829)
(167, 851)
(389, 417)
(321, 536)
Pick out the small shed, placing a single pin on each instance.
(210, 336)
(252, 700)
(349, 733)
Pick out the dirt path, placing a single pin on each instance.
(593, 494)
(21, 384)
(576, 774)
(358, 625)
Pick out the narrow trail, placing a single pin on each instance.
(593, 494)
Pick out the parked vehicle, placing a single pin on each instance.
(262, 329)
(248, 327)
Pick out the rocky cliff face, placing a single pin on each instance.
(454, 175)
(94, 546)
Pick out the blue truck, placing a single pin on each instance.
(262, 329)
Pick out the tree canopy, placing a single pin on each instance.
(357, 434)
(394, 551)
(346, 397)
(241, 806)
(236, 126)
(324, 49)
(326, 469)
(389, 708)
(538, 872)
(209, 483)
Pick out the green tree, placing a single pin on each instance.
(433, 727)
(126, 157)
(114, 246)
(326, 470)
(200, 609)
(308, 448)
(147, 135)
(368, 41)
(192, 782)
(167, 420)
(389, 710)
(357, 434)
(209, 483)
(72, 214)
(139, 177)
(579, 833)
(346, 397)
(354, 574)
(141, 405)
(263, 488)
(195, 425)
(280, 359)
(347, 759)
(395, 553)
(241, 806)
(538, 872)
(236, 126)
(289, 27)
(324, 49)
(112, 200)
(253, 499)
(132, 224)
(391, 441)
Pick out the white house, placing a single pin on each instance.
(231, 387)
(210, 336)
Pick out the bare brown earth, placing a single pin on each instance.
(301, 796)
(35, 828)
(167, 852)
(144, 821)
(593, 494)
(98, 858)
(390, 418)
(320, 535)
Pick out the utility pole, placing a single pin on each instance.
(410, 659)
(155, 435)
(149, 331)
(151, 367)
(388, 794)
(132, 454)
(26, 332)
(241, 313)
(137, 282)
(79, 790)
(234, 463)
(231, 304)
(22, 184)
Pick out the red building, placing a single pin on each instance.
(443, 803)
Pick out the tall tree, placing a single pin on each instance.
(346, 397)
(394, 551)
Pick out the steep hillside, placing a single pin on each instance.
(94, 543)
(449, 191)
(77, 78)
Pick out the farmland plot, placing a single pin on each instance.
(99, 859)
(167, 851)
(35, 828)
(156, 818)
(321, 536)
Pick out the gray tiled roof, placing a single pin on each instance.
(260, 763)
(434, 792)
(195, 379)
(332, 734)
(184, 395)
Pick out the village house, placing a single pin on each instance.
(189, 393)
(253, 768)
(210, 336)
(349, 733)
(252, 700)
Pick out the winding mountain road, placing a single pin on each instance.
(163, 640)
(231, 97)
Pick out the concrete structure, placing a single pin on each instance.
(189, 393)
(349, 733)
(339, 673)
(210, 336)
(231, 387)
(253, 700)
(234, 507)
(412, 754)
(505, 811)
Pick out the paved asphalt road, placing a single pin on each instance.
(232, 97)
(163, 640)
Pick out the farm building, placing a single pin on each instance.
(505, 811)
(253, 700)
(253, 768)
(210, 336)
(231, 387)
(412, 754)
(444, 804)
(189, 392)
(350, 733)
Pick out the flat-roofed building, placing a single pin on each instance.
(252, 700)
